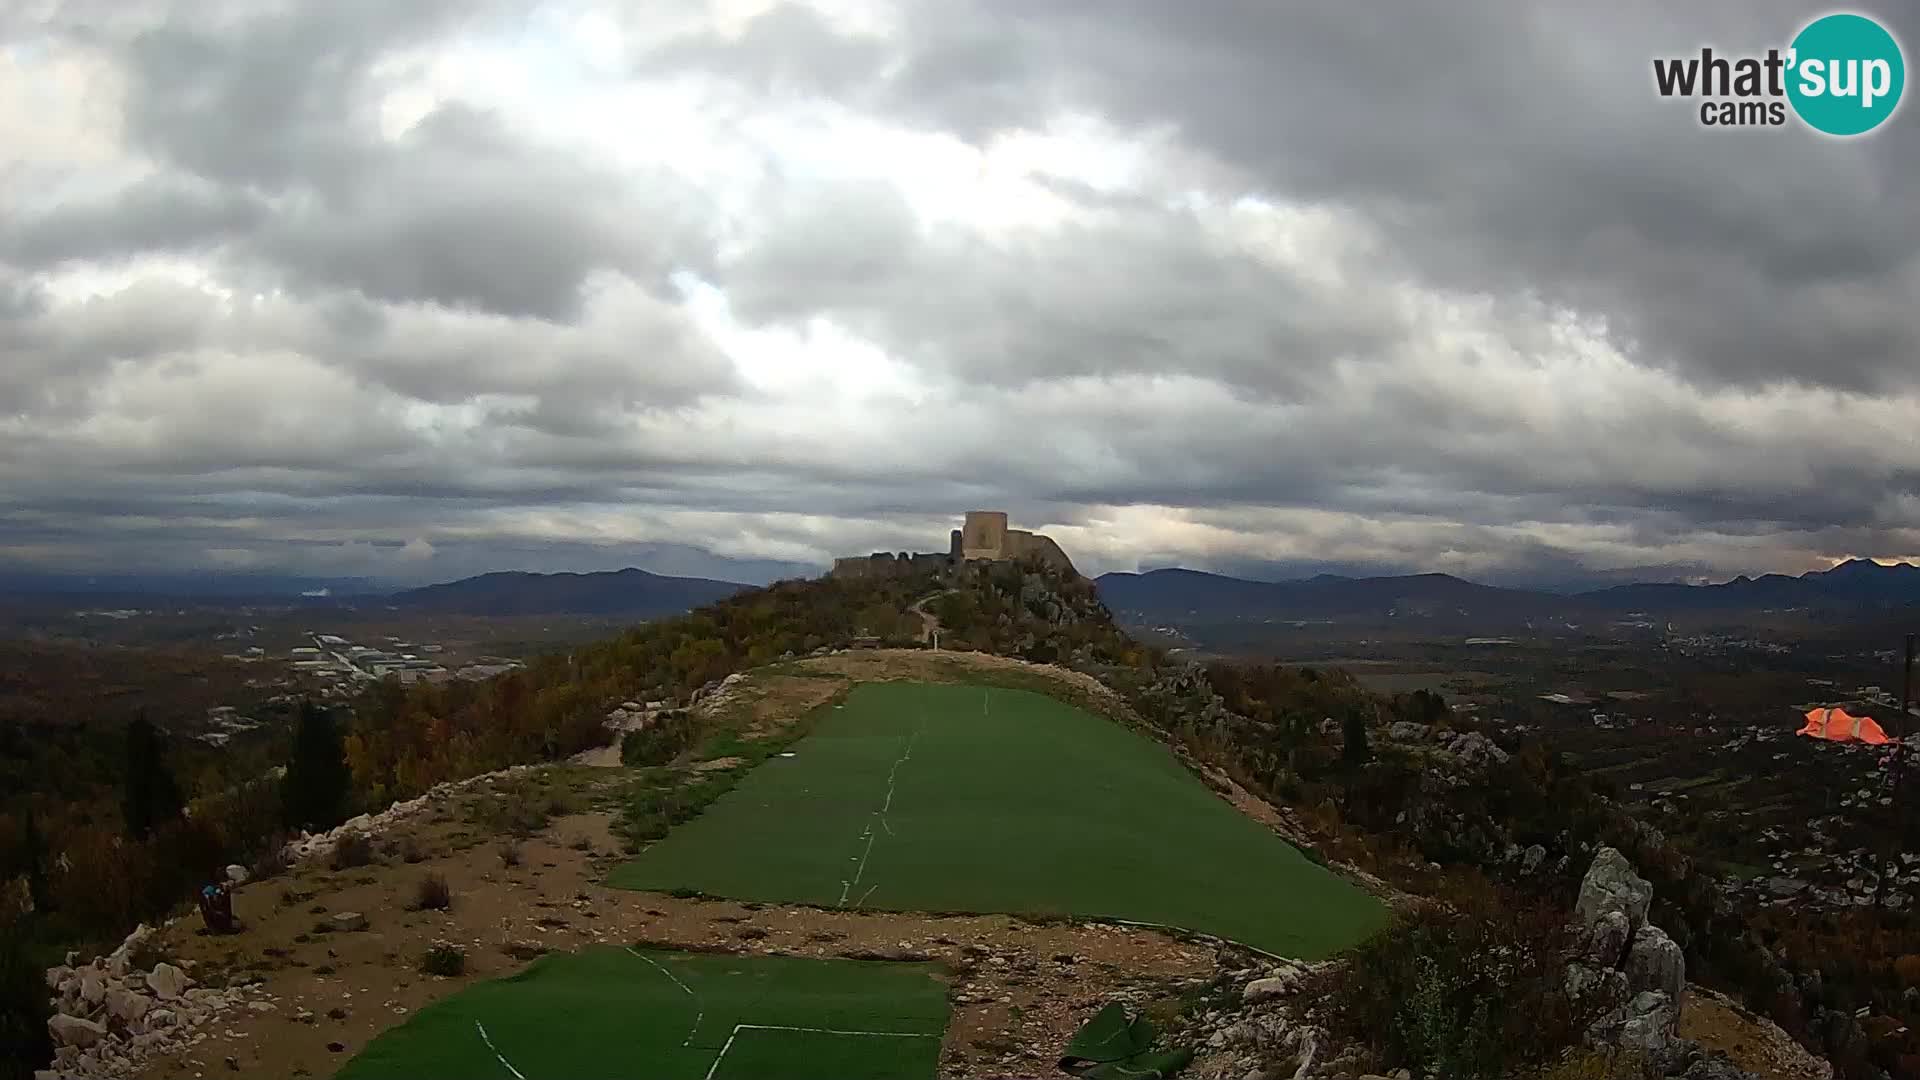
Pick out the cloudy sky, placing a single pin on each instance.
(413, 290)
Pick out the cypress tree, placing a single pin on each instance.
(151, 796)
(313, 794)
(35, 849)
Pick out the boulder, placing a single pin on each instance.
(127, 1006)
(1611, 885)
(1602, 984)
(167, 982)
(1266, 989)
(1654, 962)
(58, 976)
(1643, 1025)
(348, 921)
(1531, 860)
(93, 985)
(73, 1031)
(1476, 749)
(237, 874)
(1608, 937)
(1406, 731)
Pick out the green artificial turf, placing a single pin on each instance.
(917, 797)
(619, 1013)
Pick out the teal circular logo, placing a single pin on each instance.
(1846, 74)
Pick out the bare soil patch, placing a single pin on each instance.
(1754, 1044)
(1020, 989)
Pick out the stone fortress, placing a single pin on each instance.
(983, 536)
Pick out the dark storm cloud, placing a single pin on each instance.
(462, 214)
(1509, 149)
(1397, 288)
(157, 214)
(459, 211)
(1146, 292)
(276, 97)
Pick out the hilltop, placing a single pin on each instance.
(1468, 830)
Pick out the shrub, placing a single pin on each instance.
(353, 849)
(513, 812)
(657, 745)
(410, 852)
(1471, 992)
(1594, 1065)
(24, 1045)
(444, 959)
(272, 862)
(509, 855)
(433, 894)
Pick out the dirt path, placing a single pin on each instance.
(929, 622)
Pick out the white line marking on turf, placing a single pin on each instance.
(496, 1053)
(699, 1012)
(893, 778)
(838, 1031)
(738, 1028)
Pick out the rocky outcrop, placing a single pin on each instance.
(1270, 1033)
(1612, 885)
(1406, 731)
(1607, 938)
(111, 1017)
(1625, 955)
(1635, 973)
(321, 845)
(1475, 749)
(1654, 963)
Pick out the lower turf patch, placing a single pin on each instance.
(665, 1015)
(924, 797)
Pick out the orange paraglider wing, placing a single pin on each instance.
(1838, 725)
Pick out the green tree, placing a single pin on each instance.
(151, 796)
(313, 794)
(24, 1043)
(1355, 751)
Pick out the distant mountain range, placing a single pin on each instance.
(135, 588)
(1191, 595)
(630, 592)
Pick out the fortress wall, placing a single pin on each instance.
(1023, 544)
(984, 536)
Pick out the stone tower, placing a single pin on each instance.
(984, 535)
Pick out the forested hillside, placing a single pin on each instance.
(1398, 787)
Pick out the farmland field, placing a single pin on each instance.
(671, 1015)
(920, 797)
